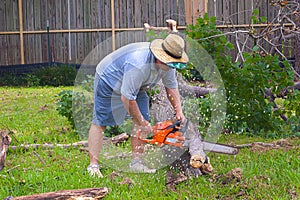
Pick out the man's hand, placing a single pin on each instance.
(180, 116)
(145, 129)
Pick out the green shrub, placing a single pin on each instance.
(248, 109)
(31, 80)
(56, 76)
(7, 79)
(64, 105)
(63, 75)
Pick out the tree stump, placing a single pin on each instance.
(161, 110)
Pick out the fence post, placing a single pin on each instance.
(21, 31)
(113, 41)
(48, 39)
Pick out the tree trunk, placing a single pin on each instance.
(161, 110)
(79, 194)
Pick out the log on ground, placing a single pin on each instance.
(86, 194)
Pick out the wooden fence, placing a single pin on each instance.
(35, 31)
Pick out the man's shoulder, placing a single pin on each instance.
(130, 49)
(134, 47)
(135, 52)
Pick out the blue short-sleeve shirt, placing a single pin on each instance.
(131, 69)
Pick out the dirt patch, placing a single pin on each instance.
(233, 176)
(127, 181)
(293, 194)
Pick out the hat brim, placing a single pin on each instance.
(160, 54)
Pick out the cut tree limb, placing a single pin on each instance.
(256, 144)
(276, 144)
(186, 89)
(78, 194)
(114, 140)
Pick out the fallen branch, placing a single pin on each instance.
(88, 194)
(276, 144)
(114, 140)
(256, 144)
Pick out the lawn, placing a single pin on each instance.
(31, 117)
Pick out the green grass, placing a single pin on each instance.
(31, 116)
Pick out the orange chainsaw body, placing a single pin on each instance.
(172, 133)
(167, 132)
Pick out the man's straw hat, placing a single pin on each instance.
(169, 50)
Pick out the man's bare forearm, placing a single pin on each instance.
(174, 98)
(134, 111)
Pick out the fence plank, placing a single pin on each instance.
(73, 22)
(3, 19)
(4, 49)
(122, 15)
(13, 25)
(130, 14)
(233, 11)
(241, 12)
(188, 11)
(37, 15)
(152, 13)
(181, 14)
(37, 26)
(108, 13)
(167, 9)
(213, 7)
(15, 11)
(9, 15)
(80, 36)
(138, 14)
(86, 14)
(174, 10)
(59, 25)
(58, 14)
(87, 24)
(3, 39)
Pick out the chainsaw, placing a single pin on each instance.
(172, 133)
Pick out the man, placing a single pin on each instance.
(121, 81)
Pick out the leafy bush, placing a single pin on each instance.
(64, 105)
(32, 80)
(56, 75)
(248, 109)
(7, 79)
(63, 75)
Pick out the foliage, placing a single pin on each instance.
(64, 105)
(248, 110)
(32, 80)
(8, 79)
(56, 75)
(204, 28)
(63, 75)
